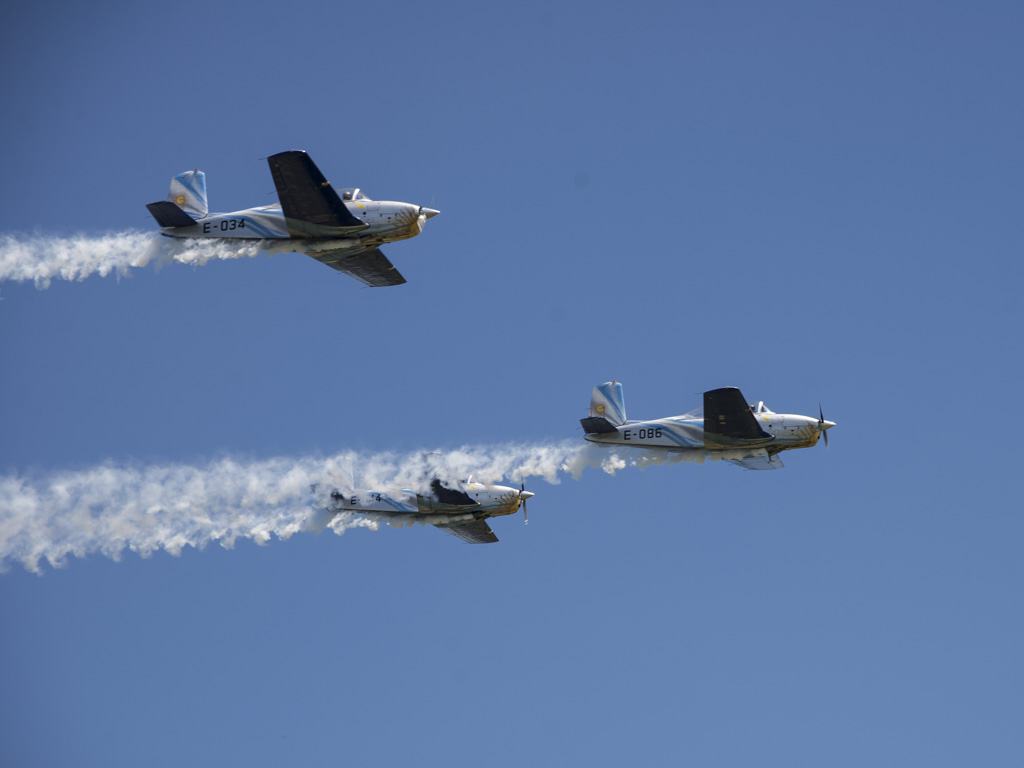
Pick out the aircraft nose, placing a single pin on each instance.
(428, 212)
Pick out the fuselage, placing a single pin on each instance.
(380, 222)
(479, 500)
(680, 433)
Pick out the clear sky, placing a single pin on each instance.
(813, 202)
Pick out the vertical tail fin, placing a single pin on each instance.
(188, 192)
(606, 403)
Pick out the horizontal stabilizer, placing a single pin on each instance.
(168, 214)
(305, 194)
(597, 424)
(475, 531)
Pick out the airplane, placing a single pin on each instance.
(344, 232)
(750, 436)
(461, 511)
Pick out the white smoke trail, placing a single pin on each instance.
(42, 259)
(110, 508)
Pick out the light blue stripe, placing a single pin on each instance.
(398, 506)
(259, 229)
(682, 438)
(189, 185)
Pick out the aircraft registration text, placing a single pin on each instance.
(224, 225)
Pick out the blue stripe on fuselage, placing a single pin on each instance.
(681, 438)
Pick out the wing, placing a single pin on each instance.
(728, 419)
(305, 195)
(759, 461)
(447, 495)
(370, 267)
(475, 531)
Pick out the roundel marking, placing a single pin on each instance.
(600, 408)
(180, 200)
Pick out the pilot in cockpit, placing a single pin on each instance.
(351, 194)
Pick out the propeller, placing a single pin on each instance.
(523, 496)
(822, 425)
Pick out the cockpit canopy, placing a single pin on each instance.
(351, 194)
(760, 407)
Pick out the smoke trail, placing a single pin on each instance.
(111, 507)
(42, 259)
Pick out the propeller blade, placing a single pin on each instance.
(522, 490)
(821, 425)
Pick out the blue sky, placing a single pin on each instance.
(811, 202)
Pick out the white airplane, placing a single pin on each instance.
(462, 512)
(345, 232)
(750, 436)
